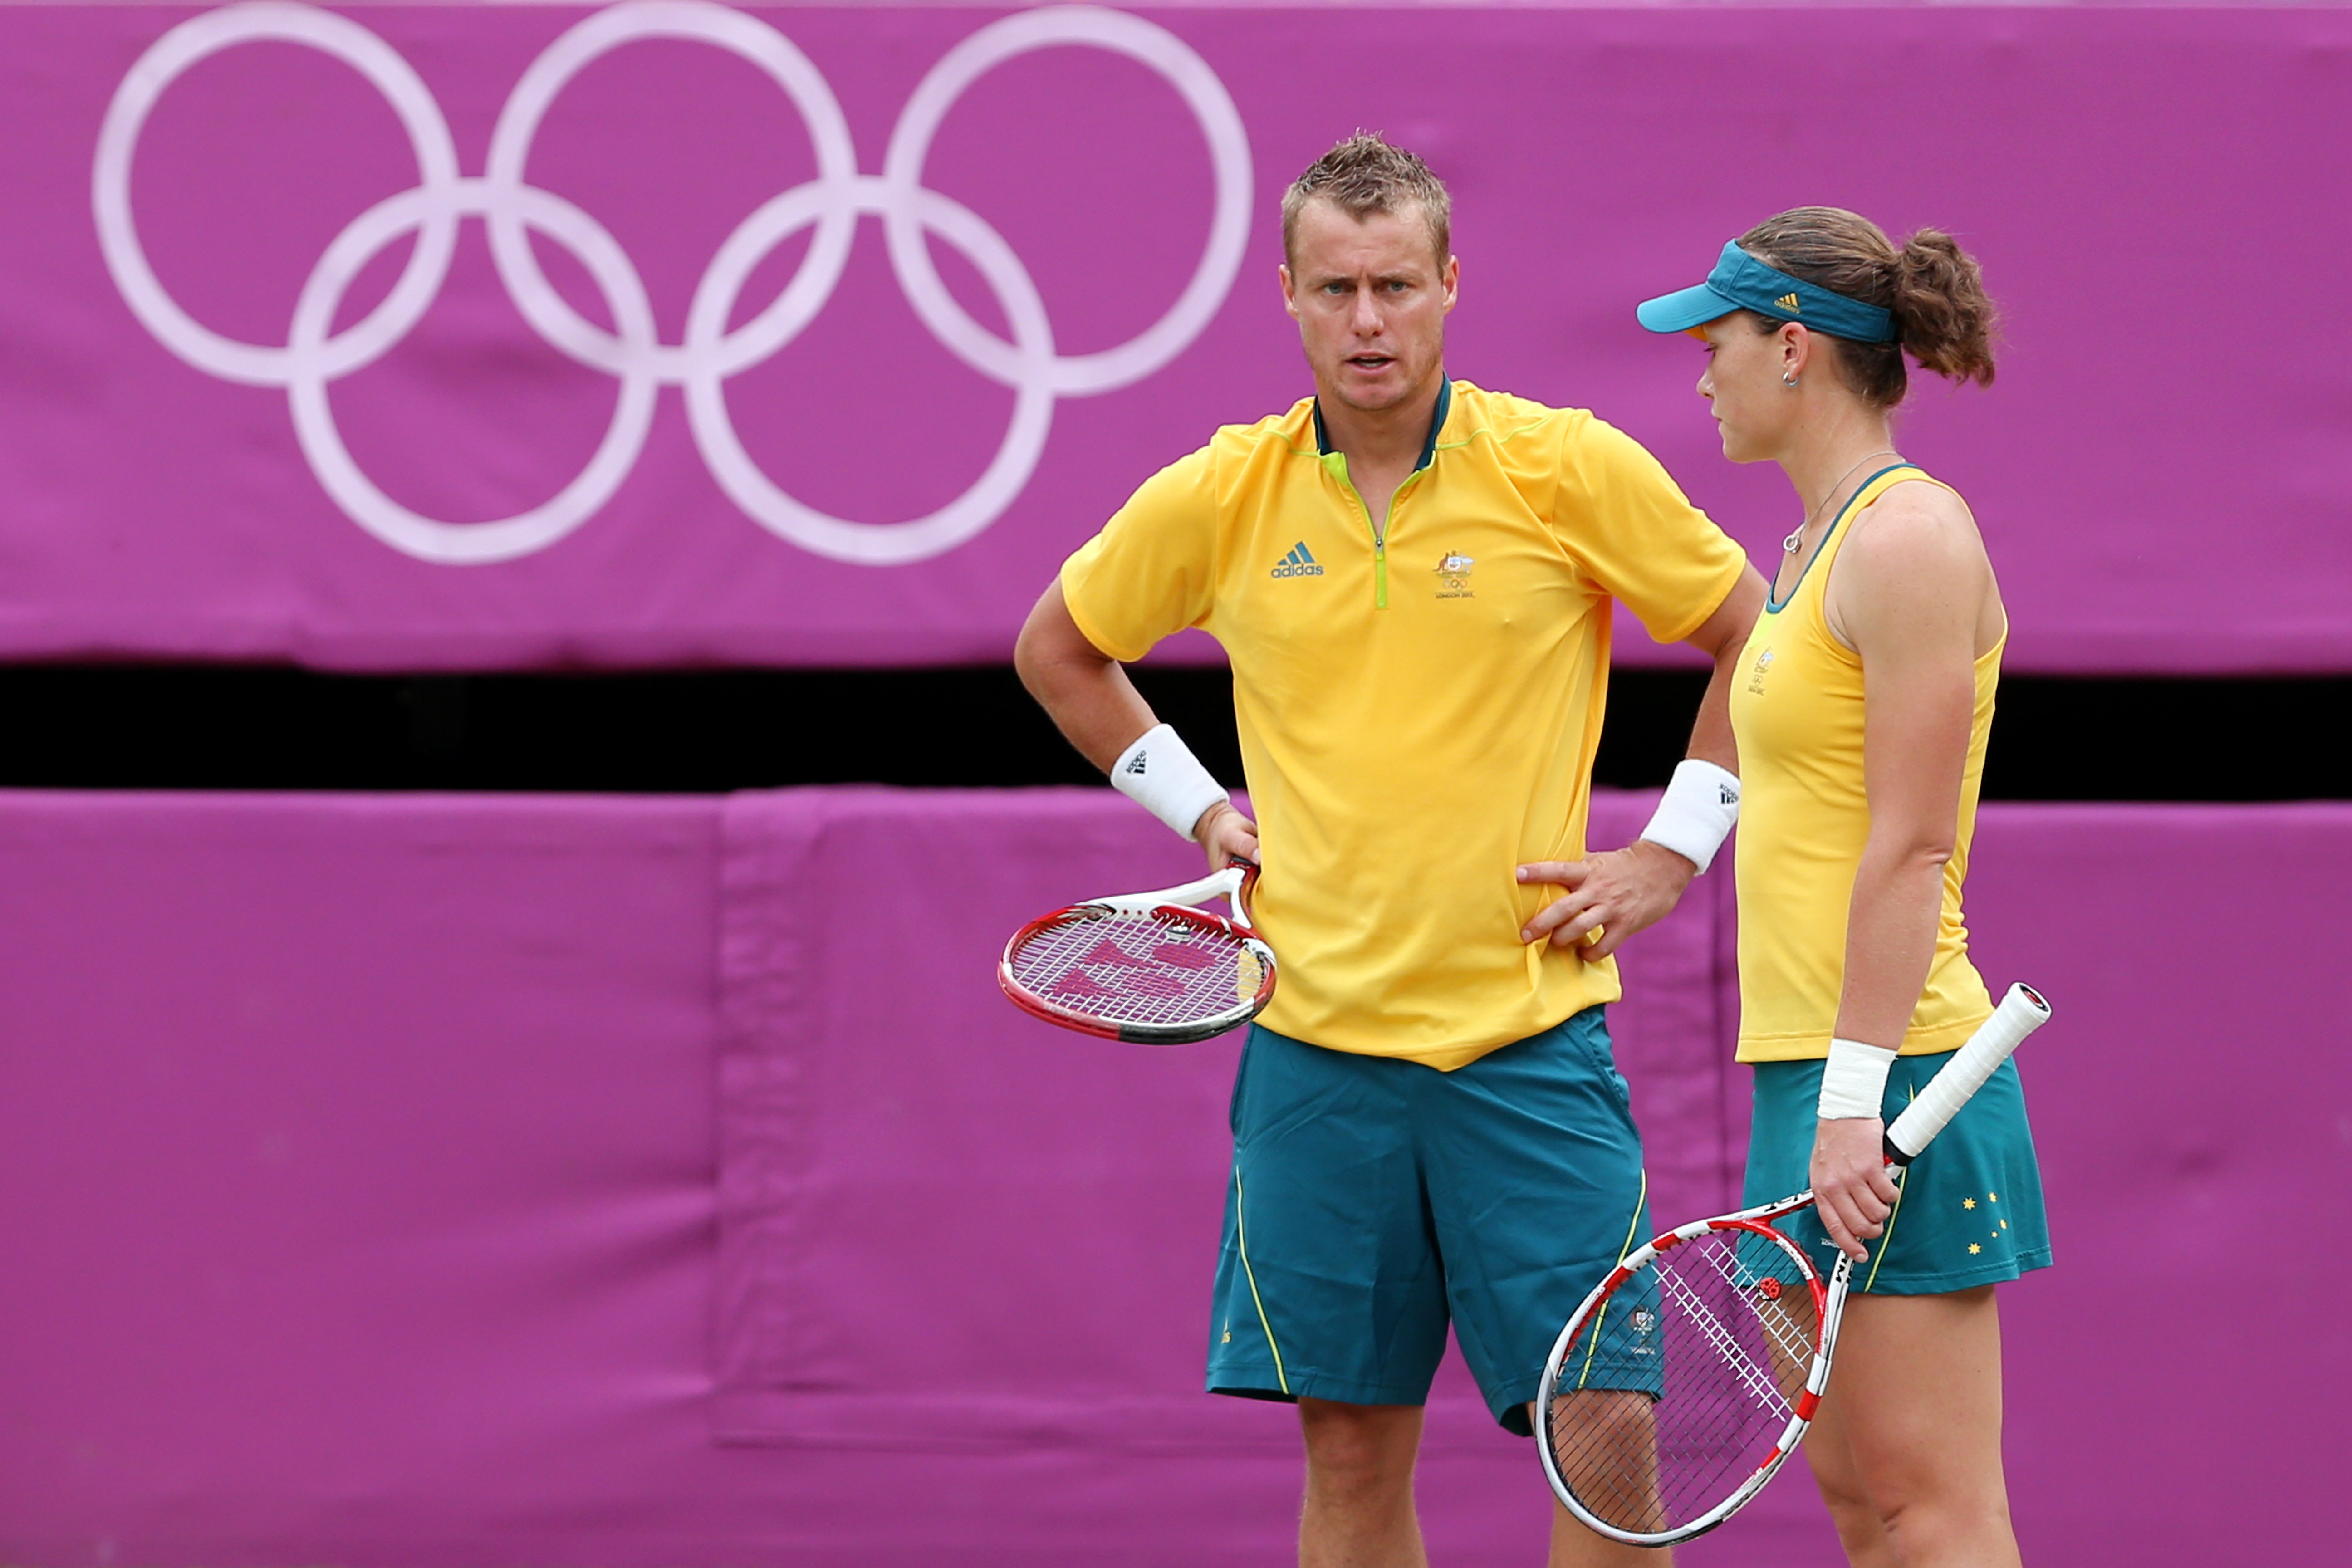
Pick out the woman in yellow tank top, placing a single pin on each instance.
(1862, 714)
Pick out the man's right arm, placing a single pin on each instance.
(1083, 690)
(1087, 694)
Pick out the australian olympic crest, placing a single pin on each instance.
(315, 355)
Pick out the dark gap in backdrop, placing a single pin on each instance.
(227, 727)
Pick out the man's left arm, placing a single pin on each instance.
(1621, 892)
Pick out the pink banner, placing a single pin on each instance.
(475, 337)
(413, 1183)
(1041, 1136)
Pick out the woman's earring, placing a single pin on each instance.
(1787, 380)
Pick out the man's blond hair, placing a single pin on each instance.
(1366, 174)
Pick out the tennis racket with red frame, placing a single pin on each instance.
(1145, 966)
(1692, 1373)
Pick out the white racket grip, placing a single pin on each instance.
(2021, 1012)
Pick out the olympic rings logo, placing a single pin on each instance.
(315, 355)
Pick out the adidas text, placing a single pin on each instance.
(1297, 563)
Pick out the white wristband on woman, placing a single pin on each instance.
(1854, 1080)
(1160, 773)
(1701, 806)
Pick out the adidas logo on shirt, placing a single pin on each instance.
(1297, 563)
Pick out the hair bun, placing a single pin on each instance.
(1941, 308)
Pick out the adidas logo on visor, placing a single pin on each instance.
(1788, 302)
(1297, 563)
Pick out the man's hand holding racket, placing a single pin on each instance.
(1227, 834)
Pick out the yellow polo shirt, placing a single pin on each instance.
(1418, 716)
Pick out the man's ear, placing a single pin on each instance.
(1289, 290)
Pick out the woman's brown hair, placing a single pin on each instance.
(1942, 315)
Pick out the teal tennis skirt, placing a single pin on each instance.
(1970, 1207)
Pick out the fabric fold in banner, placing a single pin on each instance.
(944, 1225)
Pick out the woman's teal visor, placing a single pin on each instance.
(1740, 282)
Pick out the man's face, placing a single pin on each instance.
(1370, 297)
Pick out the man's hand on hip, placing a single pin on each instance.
(1614, 894)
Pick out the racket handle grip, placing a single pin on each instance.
(2021, 1012)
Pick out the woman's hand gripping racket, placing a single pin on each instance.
(1145, 966)
(1692, 1373)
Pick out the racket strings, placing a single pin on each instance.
(1683, 1383)
(1132, 968)
(1786, 1329)
(1747, 1374)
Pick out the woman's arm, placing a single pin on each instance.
(1907, 593)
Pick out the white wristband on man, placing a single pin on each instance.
(1160, 773)
(1853, 1082)
(1700, 808)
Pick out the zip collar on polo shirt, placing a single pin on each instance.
(1436, 423)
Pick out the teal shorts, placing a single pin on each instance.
(1374, 1200)
(1969, 1212)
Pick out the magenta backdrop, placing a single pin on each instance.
(2161, 472)
(448, 1184)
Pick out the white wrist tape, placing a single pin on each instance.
(1160, 773)
(1854, 1083)
(1701, 806)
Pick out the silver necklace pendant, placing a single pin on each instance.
(1796, 539)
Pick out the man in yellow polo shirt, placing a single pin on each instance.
(1414, 580)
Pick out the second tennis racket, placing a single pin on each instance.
(1692, 1373)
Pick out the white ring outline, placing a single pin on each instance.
(694, 22)
(271, 21)
(1221, 124)
(868, 543)
(313, 355)
(366, 502)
